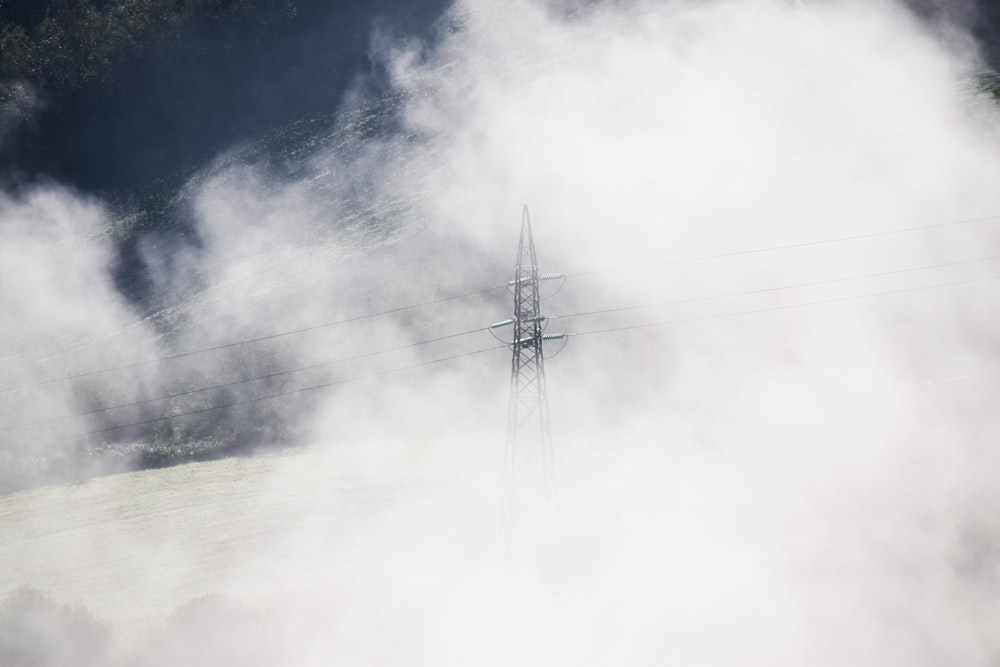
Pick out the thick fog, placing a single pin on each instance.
(784, 456)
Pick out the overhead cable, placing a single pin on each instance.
(243, 380)
(258, 339)
(764, 290)
(787, 246)
(290, 392)
(793, 306)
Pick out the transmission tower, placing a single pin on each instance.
(529, 486)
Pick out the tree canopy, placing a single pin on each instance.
(61, 45)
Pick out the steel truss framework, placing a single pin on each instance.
(529, 470)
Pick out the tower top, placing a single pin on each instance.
(526, 264)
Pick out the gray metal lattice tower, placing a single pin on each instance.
(529, 487)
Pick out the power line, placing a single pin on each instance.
(785, 307)
(281, 394)
(765, 290)
(243, 381)
(223, 346)
(472, 331)
(498, 347)
(788, 246)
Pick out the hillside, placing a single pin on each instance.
(256, 381)
(235, 541)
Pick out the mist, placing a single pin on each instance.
(784, 456)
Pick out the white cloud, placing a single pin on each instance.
(797, 486)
